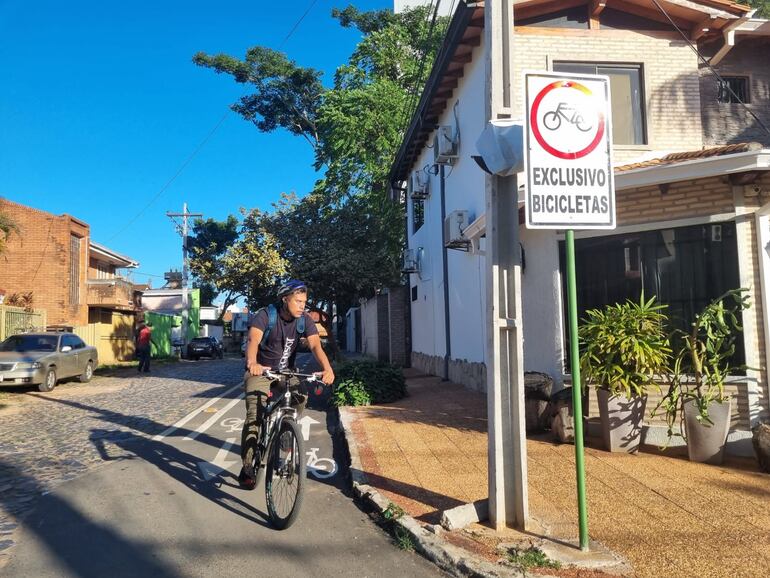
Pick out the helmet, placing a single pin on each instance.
(290, 286)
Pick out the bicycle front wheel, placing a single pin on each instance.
(285, 476)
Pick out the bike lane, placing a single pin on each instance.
(171, 506)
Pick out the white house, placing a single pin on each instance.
(692, 180)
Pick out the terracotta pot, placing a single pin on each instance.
(706, 443)
(621, 420)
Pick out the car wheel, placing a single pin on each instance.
(87, 374)
(49, 382)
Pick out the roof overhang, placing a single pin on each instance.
(758, 160)
(112, 257)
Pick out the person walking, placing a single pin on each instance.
(143, 343)
(274, 348)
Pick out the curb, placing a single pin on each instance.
(454, 560)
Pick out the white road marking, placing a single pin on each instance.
(305, 422)
(193, 413)
(320, 472)
(232, 424)
(213, 419)
(220, 463)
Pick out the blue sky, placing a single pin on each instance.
(101, 106)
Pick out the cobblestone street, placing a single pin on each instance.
(47, 439)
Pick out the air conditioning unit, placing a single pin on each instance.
(445, 146)
(454, 224)
(419, 185)
(409, 262)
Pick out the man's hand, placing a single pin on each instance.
(255, 368)
(327, 376)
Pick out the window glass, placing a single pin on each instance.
(418, 214)
(685, 268)
(68, 340)
(626, 94)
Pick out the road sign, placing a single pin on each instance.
(568, 152)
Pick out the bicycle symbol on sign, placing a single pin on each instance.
(552, 120)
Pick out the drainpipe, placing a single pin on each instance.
(763, 256)
(445, 260)
(728, 32)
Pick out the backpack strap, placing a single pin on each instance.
(272, 318)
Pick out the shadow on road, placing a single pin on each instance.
(74, 539)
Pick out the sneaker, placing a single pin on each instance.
(247, 479)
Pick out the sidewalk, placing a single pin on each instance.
(666, 516)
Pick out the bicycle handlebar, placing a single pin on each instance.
(272, 374)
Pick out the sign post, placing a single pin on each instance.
(568, 157)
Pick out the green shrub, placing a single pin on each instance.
(531, 558)
(366, 382)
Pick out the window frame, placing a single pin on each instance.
(637, 66)
(745, 79)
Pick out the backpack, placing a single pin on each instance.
(272, 319)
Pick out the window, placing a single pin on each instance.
(685, 268)
(414, 293)
(733, 90)
(628, 122)
(418, 214)
(74, 270)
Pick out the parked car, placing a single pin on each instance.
(43, 359)
(205, 347)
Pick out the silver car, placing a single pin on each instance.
(43, 359)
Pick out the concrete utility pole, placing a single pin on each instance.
(508, 498)
(183, 231)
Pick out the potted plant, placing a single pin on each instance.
(624, 347)
(696, 399)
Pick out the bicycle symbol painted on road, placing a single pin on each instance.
(327, 470)
(552, 120)
(232, 424)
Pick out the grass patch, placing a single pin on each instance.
(403, 538)
(531, 558)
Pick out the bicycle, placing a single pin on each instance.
(552, 119)
(280, 450)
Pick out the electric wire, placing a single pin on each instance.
(203, 143)
(711, 68)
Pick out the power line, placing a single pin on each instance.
(297, 23)
(173, 178)
(711, 68)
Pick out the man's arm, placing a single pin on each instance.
(314, 342)
(252, 349)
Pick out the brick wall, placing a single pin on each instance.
(731, 123)
(38, 259)
(671, 80)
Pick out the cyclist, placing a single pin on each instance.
(278, 352)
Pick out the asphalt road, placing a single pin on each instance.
(169, 505)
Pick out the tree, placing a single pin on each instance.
(345, 237)
(762, 6)
(7, 226)
(236, 260)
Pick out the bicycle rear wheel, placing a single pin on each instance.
(285, 476)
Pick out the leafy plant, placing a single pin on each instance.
(404, 539)
(393, 512)
(703, 358)
(624, 346)
(366, 382)
(531, 558)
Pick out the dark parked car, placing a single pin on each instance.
(43, 359)
(205, 347)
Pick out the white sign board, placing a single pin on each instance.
(567, 151)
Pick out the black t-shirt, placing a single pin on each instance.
(281, 346)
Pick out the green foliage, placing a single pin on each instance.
(393, 512)
(624, 346)
(702, 361)
(344, 239)
(7, 226)
(366, 382)
(762, 6)
(531, 558)
(404, 538)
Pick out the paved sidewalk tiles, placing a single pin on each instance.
(666, 516)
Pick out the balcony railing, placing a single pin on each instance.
(116, 293)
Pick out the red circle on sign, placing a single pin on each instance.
(536, 129)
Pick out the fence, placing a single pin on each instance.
(15, 320)
(113, 337)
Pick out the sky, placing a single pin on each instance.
(101, 108)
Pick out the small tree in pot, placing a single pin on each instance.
(624, 348)
(696, 399)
